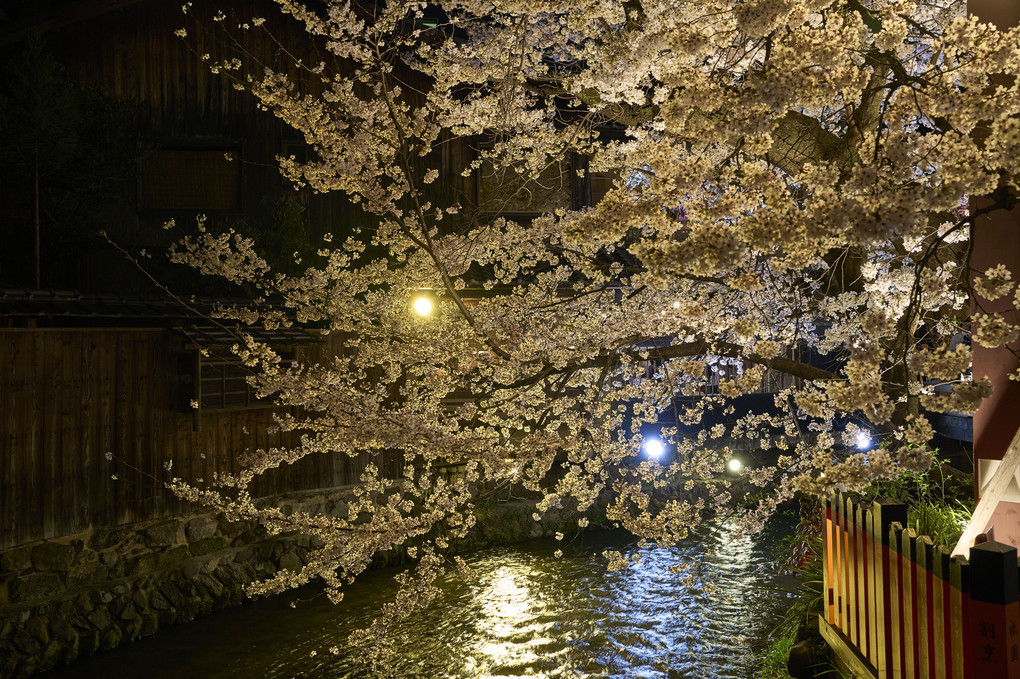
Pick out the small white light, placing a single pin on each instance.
(654, 448)
(734, 465)
(423, 306)
(862, 440)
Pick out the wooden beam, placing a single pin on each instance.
(853, 607)
(846, 653)
(959, 603)
(997, 485)
(884, 513)
(908, 592)
(941, 612)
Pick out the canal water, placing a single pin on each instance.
(527, 613)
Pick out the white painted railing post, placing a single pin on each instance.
(997, 485)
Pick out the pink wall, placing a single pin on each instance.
(996, 239)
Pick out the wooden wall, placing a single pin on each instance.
(70, 396)
(132, 53)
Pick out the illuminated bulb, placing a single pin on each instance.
(862, 440)
(423, 306)
(654, 448)
(734, 465)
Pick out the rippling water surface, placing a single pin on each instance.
(526, 613)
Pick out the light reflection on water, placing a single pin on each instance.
(526, 613)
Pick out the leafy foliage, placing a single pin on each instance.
(940, 501)
(801, 556)
(773, 661)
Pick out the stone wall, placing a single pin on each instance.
(69, 598)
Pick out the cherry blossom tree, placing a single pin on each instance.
(792, 179)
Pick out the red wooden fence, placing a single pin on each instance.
(897, 606)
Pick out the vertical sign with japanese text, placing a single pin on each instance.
(994, 614)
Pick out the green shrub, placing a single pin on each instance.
(801, 556)
(939, 485)
(943, 523)
(939, 501)
(773, 661)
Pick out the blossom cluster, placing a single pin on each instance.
(788, 182)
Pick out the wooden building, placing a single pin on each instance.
(105, 391)
(92, 372)
(197, 144)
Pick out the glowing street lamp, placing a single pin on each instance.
(424, 302)
(423, 306)
(654, 449)
(734, 465)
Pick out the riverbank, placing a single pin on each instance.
(525, 612)
(68, 598)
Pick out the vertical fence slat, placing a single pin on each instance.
(839, 567)
(860, 632)
(72, 424)
(959, 573)
(34, 497)
(829, 597)
(870, 595)
(851, 574)
(896, 598)
(940, 611)
(844, 568)
(995, 637)
(909, 636)
(10, 399)
(105, 505)
(51, 491)
(125, 428)
(860, 522)
(884, 513)
(923, 574)
(91, 379)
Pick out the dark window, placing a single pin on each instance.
(507, 192)
(601, 183)
(224, 383)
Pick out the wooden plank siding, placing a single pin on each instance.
(70, 396)
(134, 54)
(921, 614)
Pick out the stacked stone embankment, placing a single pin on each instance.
(70, 597)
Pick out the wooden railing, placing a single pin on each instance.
(897, 606)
